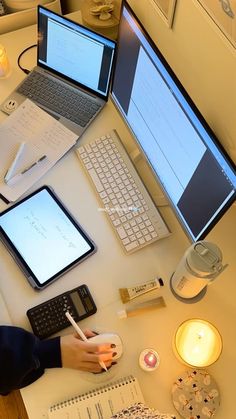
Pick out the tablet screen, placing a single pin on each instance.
(44, 237)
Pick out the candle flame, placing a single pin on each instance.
(198, 343)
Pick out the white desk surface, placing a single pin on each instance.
(110, 269)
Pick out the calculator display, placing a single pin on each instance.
(78, 303)
(88, 303)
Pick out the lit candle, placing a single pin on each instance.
(198, 343)
(149, 360)
(4, 63)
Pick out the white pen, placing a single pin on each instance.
(14, 163)
(35, 163)
(81, 334)
(18, 176)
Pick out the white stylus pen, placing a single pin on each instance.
(81, 334)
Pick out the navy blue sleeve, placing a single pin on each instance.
(23, 357)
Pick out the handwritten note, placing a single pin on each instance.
(43, 135)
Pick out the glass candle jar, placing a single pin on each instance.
(197, 343)
(4, 62)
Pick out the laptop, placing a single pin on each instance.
(72, 78)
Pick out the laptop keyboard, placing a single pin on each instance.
(61, 99)
(133, 215)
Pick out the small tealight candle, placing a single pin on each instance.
(149, 360)
(4, 63)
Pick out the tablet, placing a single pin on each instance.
(43, 237)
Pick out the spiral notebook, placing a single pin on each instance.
(100, 403)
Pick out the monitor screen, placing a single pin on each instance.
(194, 171)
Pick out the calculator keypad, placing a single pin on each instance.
(49, 318)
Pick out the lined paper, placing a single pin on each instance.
(100, 403)
(43, 135)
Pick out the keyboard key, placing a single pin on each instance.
(121, 232)
(131, 246)
(96, 180)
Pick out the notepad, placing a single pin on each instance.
(42, 134)
(100, 403)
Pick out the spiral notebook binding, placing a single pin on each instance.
(107, 387)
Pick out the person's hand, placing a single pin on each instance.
(85, 355)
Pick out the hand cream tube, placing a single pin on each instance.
(141, 308)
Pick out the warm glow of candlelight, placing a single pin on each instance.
(198, 343)
(150, 359)
(4, 63)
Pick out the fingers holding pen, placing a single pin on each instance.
(85, 355)
(98, 347)
(87, 347)
(100, 353)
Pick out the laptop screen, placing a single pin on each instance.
(75, 52)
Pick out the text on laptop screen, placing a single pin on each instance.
(194, 171)
(74, 51)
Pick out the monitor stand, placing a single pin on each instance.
(158, 197)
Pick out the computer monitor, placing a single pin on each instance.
(194, 171)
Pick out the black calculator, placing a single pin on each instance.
(49, 317)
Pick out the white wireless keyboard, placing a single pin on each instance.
(124, 197)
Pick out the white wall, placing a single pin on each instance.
(71, 5)
(203, 60)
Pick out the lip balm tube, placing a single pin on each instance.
(128, 294)
(141, 308)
